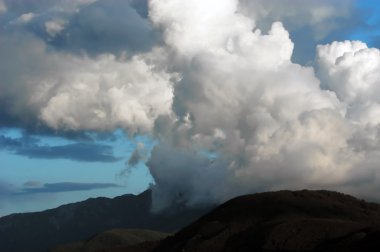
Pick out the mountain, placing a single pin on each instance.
(41, 231)
(288, 221)
(283, 221)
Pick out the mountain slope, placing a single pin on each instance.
(35, 232)
(114, 239)
(283, 221)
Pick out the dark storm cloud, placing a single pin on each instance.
(66, 187)
(84, 152)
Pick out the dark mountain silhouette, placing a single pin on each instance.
(283, 221)
(320, 221)
(41, 231)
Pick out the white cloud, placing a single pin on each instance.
(351, 70)
(187, 29)
(276, 122)
(25, 18)
(105, 94)
(248, 119)
(54, 27)
(78, 92)
(309, 22)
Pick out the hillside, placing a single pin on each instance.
(113, 240)
(283, 221)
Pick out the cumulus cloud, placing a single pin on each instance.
(42, 38)
(351, 70)
(54, 27)
(25, 18)
(309, 22)
(129, 95)
(321, 16)
(78, 92)
(248, 118)
(187, 29)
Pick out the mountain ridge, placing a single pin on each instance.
(72, 222)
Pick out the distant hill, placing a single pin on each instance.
(115, 239)
(283, 221)
(41, 231)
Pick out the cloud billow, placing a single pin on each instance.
(270, 121)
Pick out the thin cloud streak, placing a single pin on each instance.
(83, 152)
(65, 187)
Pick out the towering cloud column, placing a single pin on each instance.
(248, 118)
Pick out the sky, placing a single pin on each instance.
(199, 100)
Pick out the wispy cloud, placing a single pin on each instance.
(84, 152)
(65, 187)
